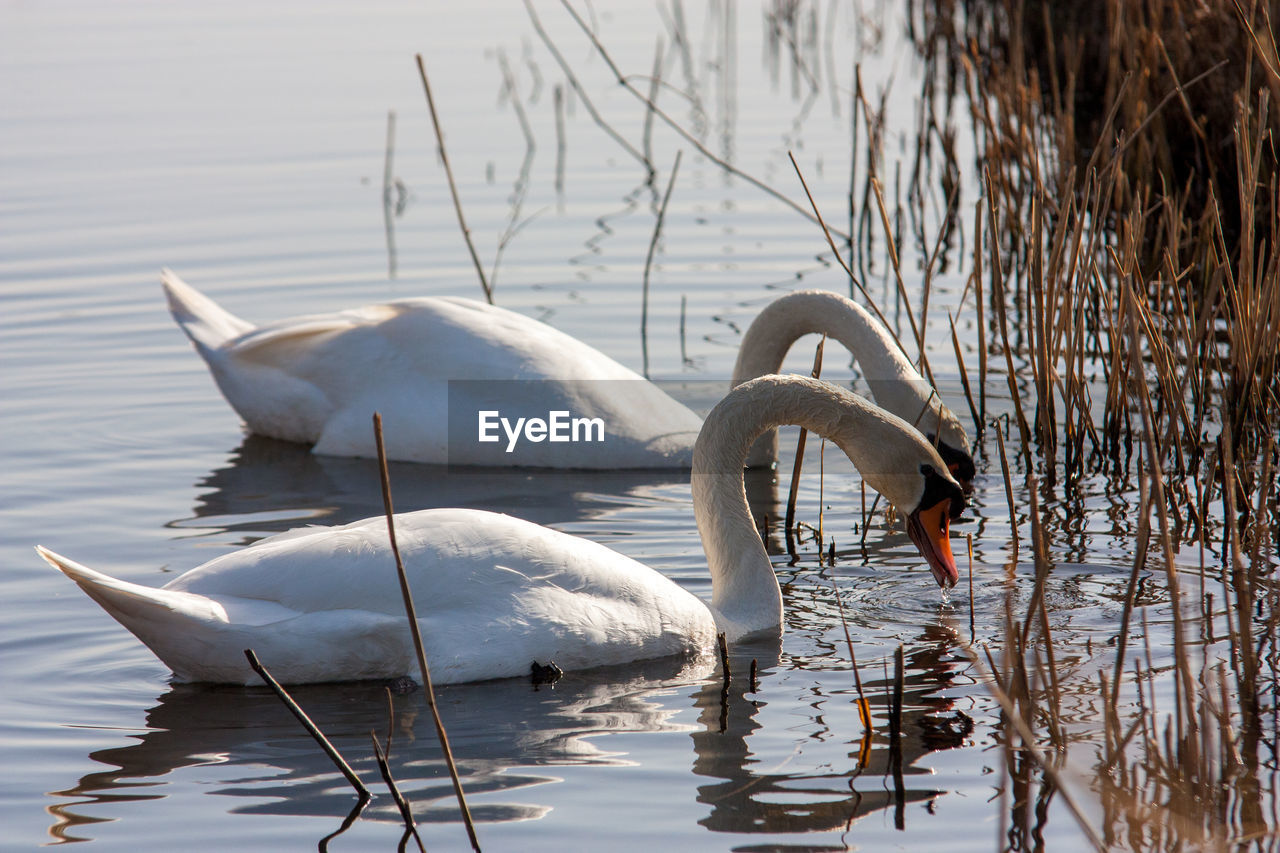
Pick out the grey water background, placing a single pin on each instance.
(244, 146)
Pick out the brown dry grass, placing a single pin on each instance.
(1130, 153)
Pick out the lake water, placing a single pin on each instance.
(244, 146)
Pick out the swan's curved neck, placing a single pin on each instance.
(746, 597)
(894, 381)
(791, 317)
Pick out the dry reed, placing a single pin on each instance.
(1133, 271)
(648, 262)
(312, 728)
(453, 186)
(416, 635)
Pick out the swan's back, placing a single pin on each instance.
(455, 558)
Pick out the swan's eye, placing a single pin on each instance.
(940, 487)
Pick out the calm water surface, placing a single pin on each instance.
(245, 149)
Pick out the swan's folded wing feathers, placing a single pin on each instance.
(283, 346)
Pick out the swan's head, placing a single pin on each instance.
(929, 524)
(908, 470)
(894, 458)
(952, 444)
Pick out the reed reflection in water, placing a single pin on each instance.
(509, 734)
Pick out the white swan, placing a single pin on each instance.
(318, 379)
(896, 385)
(494, 593)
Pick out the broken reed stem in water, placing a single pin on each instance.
(978, 306)
(311, 727)
(851, 195)
(822, 474)
(816, 372)
(388, 158)
(391, 718)
(864, 708)
(453, 187)
(417, 634)
(866, 515)
(406, 811)
(684, 308)
(648, 263)
(998, 296)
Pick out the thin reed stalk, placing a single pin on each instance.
(558, 98)
(794, 490)
(453, 186)
(864, 707)
(648, 263)
(854, 281)
(1008, 494)
(964, 376)
(416, 634)
(406, 811)
(917, 332)
(388, 186)
(312, 729)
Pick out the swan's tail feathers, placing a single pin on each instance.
(207, 323)
(145, 611)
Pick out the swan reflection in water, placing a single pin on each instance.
(506, 735)
(503, 734)
(270, 486)
(758, 791)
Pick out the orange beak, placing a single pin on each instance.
(930, 529)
